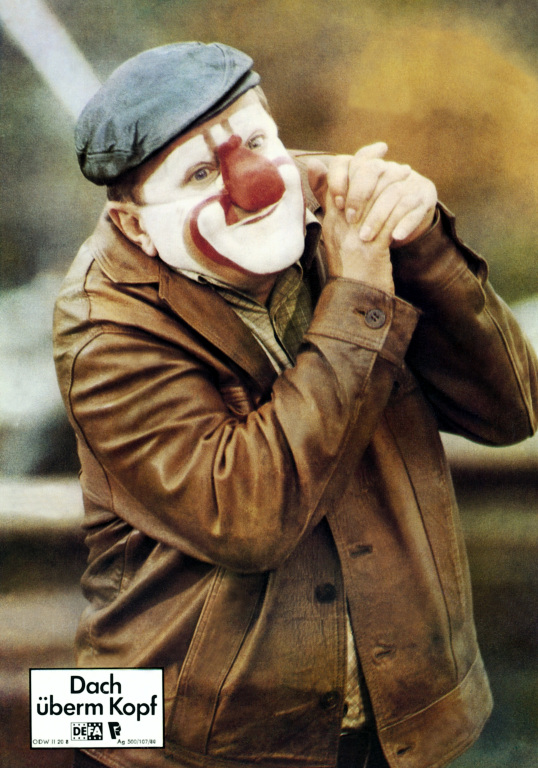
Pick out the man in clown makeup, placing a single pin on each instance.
(257, 350)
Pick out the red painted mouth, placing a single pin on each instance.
(203, 245)
(232, 217)
(254, 219)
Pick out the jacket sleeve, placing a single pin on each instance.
(473, 361)
(239, 492)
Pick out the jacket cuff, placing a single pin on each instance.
(434, 246)
(367, 317)
(428, 266)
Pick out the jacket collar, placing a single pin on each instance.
(121, 261)
(203, 309)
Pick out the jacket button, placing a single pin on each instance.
(384, 651)
(375, 318)
(329, 700)
(325, 593)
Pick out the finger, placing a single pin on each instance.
(338, 179)
(407, 216)
(339, 170)
(413, 224)
(394, 203)
(364, 178)
(367, 181)
(317, 178)
(355, 204)
(419, 218)
(413, 195)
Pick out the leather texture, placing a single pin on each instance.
(221, 502)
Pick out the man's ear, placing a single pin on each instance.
(128, 222)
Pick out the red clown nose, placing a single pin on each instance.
(252, 181)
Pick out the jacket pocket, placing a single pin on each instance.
(225, 619)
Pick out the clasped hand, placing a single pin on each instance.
(370, 204)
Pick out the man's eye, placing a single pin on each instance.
(201, 174)
(256, 141)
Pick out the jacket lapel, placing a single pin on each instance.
(209, 315)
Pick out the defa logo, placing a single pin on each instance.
(87, 731)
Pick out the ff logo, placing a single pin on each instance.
(115, 730)
(87, 731)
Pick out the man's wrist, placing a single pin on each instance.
(352, 311)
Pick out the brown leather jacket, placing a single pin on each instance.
(230, 514)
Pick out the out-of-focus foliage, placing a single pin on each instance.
(452, 87)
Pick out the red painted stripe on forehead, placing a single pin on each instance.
(208, 138)
(210, 142)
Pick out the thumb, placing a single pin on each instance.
(317, 178)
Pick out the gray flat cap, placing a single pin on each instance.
(153, 98)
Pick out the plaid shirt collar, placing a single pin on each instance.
(280, 326)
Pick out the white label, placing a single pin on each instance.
(72, 708)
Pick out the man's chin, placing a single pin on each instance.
(252, 244)
(265, 266)
(259, 258)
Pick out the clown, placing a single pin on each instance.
(224, 200)
(256, 370)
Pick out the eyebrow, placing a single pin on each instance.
(211, 146)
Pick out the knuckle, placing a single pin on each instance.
(412, 200)
(397, 169)
(392, 194)
(360, 193)
(339, 161)
(379, 166)
(337, 176)
(367, 165)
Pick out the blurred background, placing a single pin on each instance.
(452, 87)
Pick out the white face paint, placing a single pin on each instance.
(197, 222)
